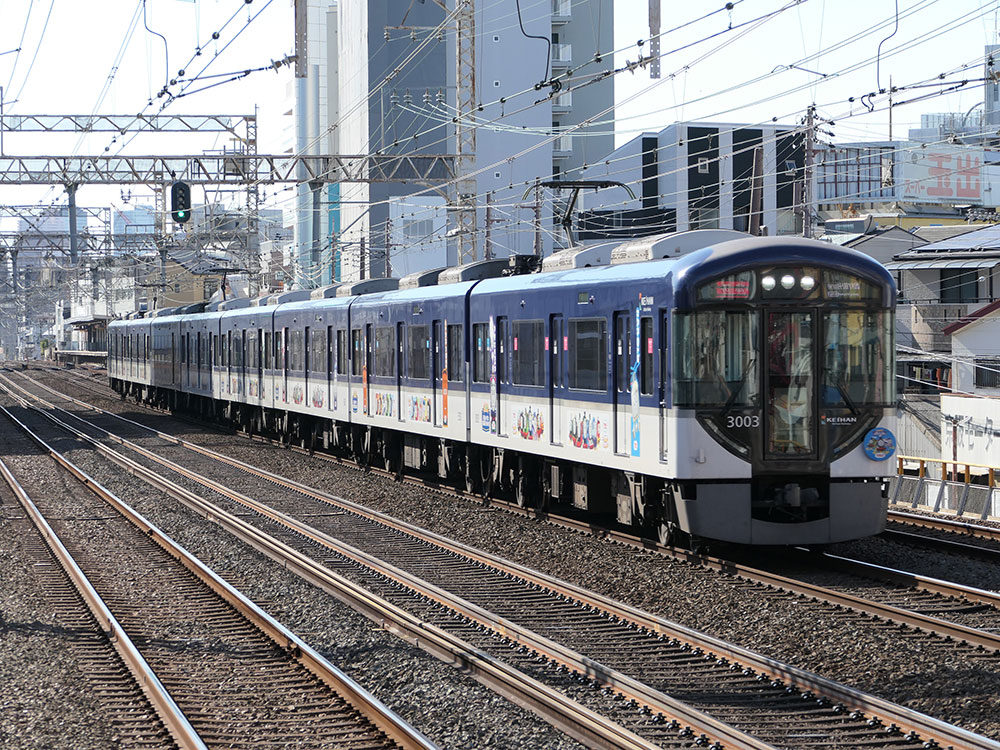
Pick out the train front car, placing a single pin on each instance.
(781, 393)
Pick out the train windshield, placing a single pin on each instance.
(858, 362)
(715, 361)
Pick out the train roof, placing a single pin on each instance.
(688, 271)
(683, 273)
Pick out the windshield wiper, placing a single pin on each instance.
(839, 382)
(739, 387)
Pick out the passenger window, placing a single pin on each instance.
(418, 352)
(385, 351)
(357, 355)
(528, 353)
(588, 354)
(317, 351)
(502, 327)
(456, 354)
(481, 353)
(342, 351)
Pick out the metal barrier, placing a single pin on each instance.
(947, 486)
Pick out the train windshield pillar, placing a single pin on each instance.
(790, 417)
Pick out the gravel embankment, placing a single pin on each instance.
(449, 707)
(45, 701)
(958, 687)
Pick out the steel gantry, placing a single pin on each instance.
(228, 168)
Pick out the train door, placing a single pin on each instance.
(175, 364)
(501, 371)
(189, 359)
(665, 372)
(330, 364)
(557, 382)
(369, 361)
(242, 374)
(620, 385)
(790, 385)
(436, 383)
(307, 364)
(399, 371)
(284, 364)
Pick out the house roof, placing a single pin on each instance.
(938, 233)
(986, 238)
(982, 312)
(855, 239)
(197, 263)
(929, 263)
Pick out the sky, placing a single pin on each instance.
(756, 61)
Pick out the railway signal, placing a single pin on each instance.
(180, 202)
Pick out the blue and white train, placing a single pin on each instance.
(743, 391)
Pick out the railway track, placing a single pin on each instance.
(100, 660)
(217, 669)
(951, 611)
(961, 538)
(683, 728)
(611, 633)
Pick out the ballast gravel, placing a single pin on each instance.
(45, 701)
(958, 687)
(961, 688)
(448, 706)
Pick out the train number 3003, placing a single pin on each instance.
(749, 420)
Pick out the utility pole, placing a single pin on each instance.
(71, 194)
(465, 130)
(654, 38)
(756, 190)
(388, 249)
(807, 196)
(362, 260)
(488, 242)
(303, 226)
(538, 221)
(890, 109)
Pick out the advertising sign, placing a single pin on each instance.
(941, 174)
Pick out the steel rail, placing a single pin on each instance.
(905, 719)
(912, 580)
(573, 718)
(170, 713)
(364, 702)
(963, 549)
(946, 524)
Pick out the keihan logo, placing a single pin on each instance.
(838, 420)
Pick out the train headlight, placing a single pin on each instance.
(807, 283)
(787, 281)
(767, 283)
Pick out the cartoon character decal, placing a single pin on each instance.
(420, 409)
(384, 403)
(529, 423)
(879, 444)
(588, 432)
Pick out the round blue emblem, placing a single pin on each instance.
(879, 444)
